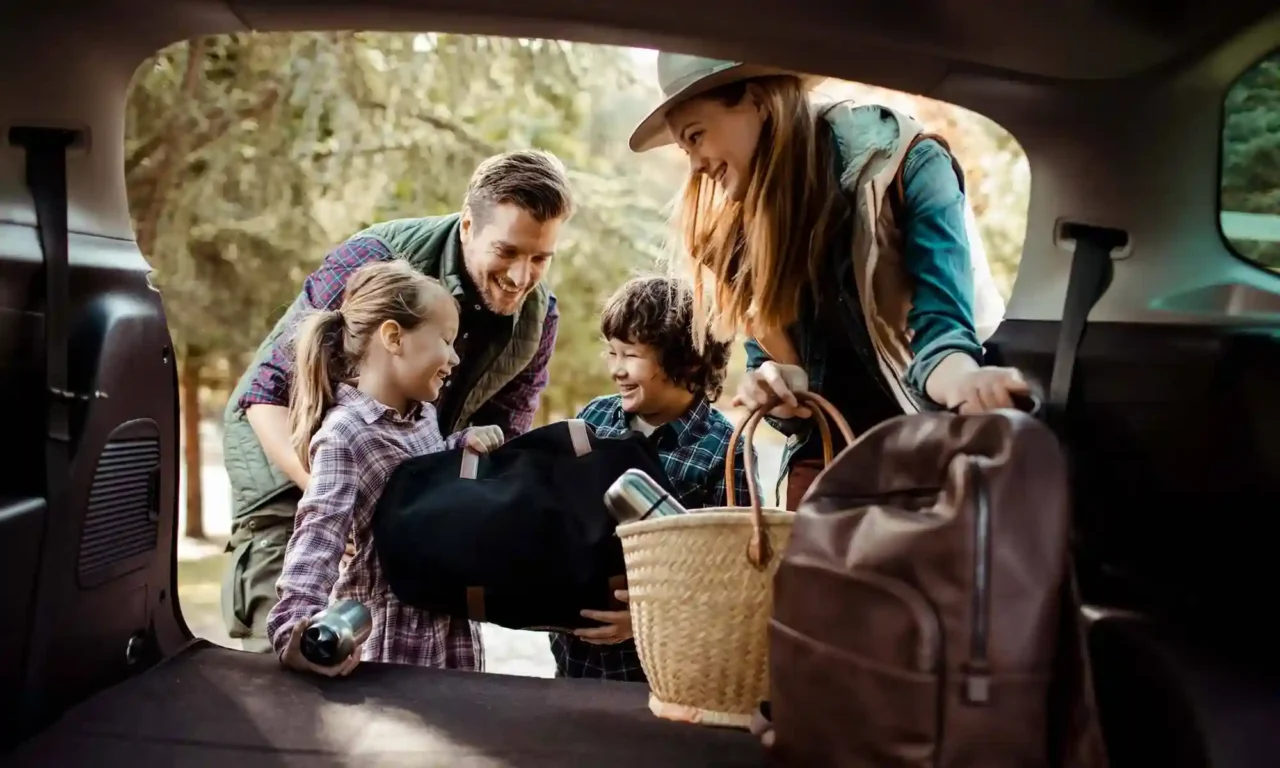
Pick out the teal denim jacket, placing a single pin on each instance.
(936, 257)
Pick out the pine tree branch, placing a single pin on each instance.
(220, 122)
(173, 144)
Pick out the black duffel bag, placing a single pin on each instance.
(520, 537)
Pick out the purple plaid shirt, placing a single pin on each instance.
(512, 408)
(353, 454)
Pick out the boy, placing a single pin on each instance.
(665, 390)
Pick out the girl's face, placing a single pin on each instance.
(641, 381)
(422, 359)
(720, 139)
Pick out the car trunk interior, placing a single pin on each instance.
(1173, 432)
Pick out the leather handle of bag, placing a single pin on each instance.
(759, 551)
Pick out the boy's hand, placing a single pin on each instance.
(292, 657)
(484, 439)
(617, 624)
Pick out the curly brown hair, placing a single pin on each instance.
(658, 312)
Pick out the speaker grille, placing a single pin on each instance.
(123, 511)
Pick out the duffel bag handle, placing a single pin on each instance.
(579, 435)
(759, 552)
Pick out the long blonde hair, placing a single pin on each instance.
(761, 253)
(331, 344)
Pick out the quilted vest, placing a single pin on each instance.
(432, 246)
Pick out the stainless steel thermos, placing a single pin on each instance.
(334, 633)
(635, 496)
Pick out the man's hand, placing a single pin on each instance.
(292, 657)
(485, 439)
(617, 624)
(774, 384)
(271, 424)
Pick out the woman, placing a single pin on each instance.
(834, 237)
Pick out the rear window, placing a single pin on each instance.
(249, 157)
(1250, 201)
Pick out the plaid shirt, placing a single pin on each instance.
(693, 450)
(512, 408)
(353, 454)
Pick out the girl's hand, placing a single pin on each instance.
(617, 624)
(292, 657)
(485, 439)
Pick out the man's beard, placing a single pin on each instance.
(513, 301)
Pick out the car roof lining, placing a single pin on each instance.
(1102, 39)
(1009, 39)
(1138, 73)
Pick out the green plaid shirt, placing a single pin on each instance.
(693, 450)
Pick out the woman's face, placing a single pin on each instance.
(720, 139)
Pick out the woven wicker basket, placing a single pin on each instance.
(701, 593)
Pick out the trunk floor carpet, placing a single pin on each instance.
(213, 706)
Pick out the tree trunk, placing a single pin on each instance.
(189, 391)
(174, 146)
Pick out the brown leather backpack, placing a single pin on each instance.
(924, 611)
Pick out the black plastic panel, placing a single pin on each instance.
(97, 569)
(1176, 463)
(21, 524)
(121, 521)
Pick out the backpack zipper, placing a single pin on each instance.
(977, 679)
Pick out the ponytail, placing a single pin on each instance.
(330, 346)
(318, 346)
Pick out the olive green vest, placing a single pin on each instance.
(432, 246)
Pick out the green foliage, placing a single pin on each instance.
(1251, 152)
(249, 156)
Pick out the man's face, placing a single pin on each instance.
(507, 253)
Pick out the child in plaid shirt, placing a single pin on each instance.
(665, 390)
(393, 336)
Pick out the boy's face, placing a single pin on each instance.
(644, 386)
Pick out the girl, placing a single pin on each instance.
(835, 237)
(393, 335)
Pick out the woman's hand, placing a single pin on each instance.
(485, 439)
(986, 389)
(617, 624)
(292, 657)
(959, 384)
(774, 384)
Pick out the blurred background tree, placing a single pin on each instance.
(1251, 155)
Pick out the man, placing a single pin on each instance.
(492, 257)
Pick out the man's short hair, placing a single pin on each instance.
(658, 312)
(534, 180)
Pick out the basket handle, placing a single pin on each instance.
(759, 552)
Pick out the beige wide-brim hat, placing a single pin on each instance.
(683, 77)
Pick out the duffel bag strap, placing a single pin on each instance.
(579, 436)
(762, 725)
